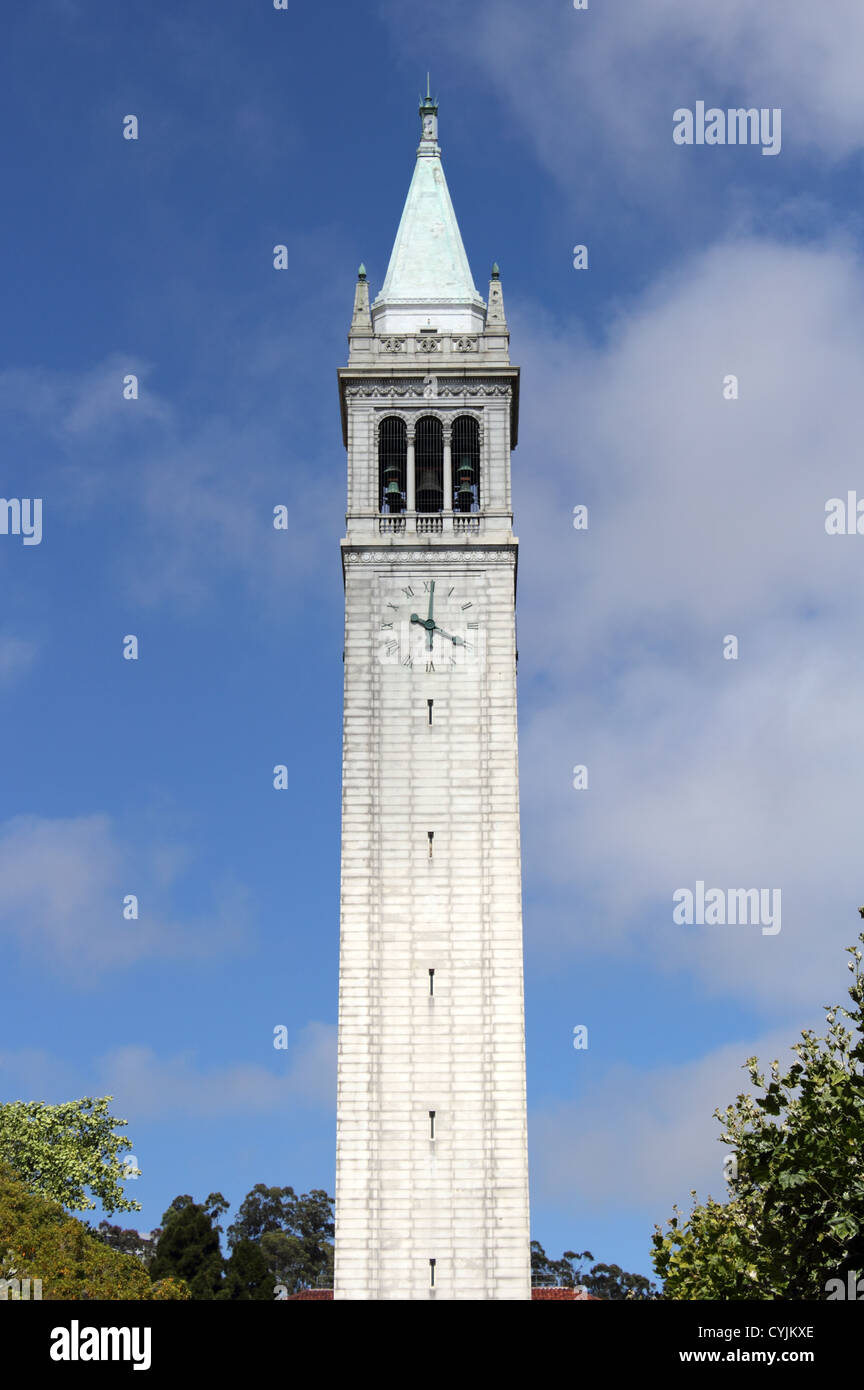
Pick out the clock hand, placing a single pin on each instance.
(432, 627)
(457, 641)
(428, 623)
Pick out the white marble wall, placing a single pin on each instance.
(402, 1197)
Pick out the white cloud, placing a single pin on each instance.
(62, 888)
(147, 1086)
(640, 1140)
(611, 76)
(706, 518)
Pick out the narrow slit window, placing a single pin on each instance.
(431, 982)
(430, 703)
(431, 1274)
(431, 834)
(431, 1124)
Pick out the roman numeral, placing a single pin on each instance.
(385, 626)
(407, 661)
(430, 666)
(408, 591)
(466, 605)
(428, 586)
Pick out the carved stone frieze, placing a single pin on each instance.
(416, 386)
(473, 556)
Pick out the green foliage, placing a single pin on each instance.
(129, 1241)
(246, 1274)
(604, 1281)
(41, 1241)
(169, 1288)
(795, 1215)
(295, 1234)
(59, 1150)
(613, 1283)
(188, 1248)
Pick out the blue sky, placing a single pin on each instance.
(154, 777)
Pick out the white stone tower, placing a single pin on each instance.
(432, 1167)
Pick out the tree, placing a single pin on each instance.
(127, 1240)
(39, 1240)
(59, 1150)
(795, 1215)
(604, 1281)
(613, 1283)
(188, 1248)
(556, 1273)
(295, 1234)
(246, 1274)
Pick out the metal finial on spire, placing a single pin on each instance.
(428, 104)
(361, 273)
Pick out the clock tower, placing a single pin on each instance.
(432, 1168)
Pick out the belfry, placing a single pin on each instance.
(432, 1166)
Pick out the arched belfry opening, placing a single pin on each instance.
(429, 464)
(392, 465)
(466, 464)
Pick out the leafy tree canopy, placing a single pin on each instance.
(604, 1281)
(59, 1150)
(127, 1240)
(188, 1248)
(795, 1215)
(247, 1275)
(295, 1234)
(38, 1240)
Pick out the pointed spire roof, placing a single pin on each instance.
(428, 276)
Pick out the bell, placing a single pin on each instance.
(393, 497)
(464, 497)
(465, 490)
(430, 494)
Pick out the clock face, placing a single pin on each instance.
(429, 625)
(428, 125)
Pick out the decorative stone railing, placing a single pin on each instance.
(435, 524)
